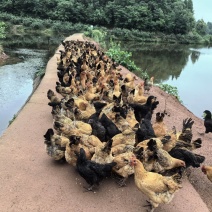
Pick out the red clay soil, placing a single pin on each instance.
(32, 181)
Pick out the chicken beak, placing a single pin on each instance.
(132, 161)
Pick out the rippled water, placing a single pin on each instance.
(16, 82)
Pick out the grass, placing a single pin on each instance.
(172, 90)
(11, 121)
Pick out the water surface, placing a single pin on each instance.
(16, 82)
(189, 68)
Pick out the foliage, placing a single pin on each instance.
(97, 34)
(152, 16)
(40, 73)
(170, 90)
(209, 28)
(123, 58)
(63, 27)
(2, 29)
(201, 27)
(13, 119)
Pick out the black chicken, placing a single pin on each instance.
(122, 110)
(97, 129)
(141, 110)
(145, 129)
(207, 121)
(190, 158)
(186, 134)
(92, 172)
(99, 105)
(111, 128)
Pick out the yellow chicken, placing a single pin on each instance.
(159, 189)
(74, 147)
(139, 94)
(158, 160)
(103, 153)
(123, 167)
(159, 126)
(121, 148)
(127, 137)
(207, 170)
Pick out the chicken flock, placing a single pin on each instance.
(103, 126)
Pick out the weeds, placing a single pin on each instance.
(172, 90)
(11, 121)
(40, 73)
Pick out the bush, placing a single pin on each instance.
(2, 30)
(170, 90)
(124, 58)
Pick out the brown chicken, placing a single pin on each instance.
(131, 118)
(83, 78)
(145, 142)
(75, 128)
(169, 140)
(90, 95)
(53, 149)
(90, 142)
(158, 160)
(159, 189)
(123, 167)
(121, 148)
(54, 100)
(116, 90)
(159, 126)
(73, 147)
(139, 94)
(103, 153)
(128, 77)
(148, 84)
(122, 123)
(60, 140)
(84, 114)
(131, 84)
(207, 170)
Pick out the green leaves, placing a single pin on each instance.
(2, 29)
(170, 90)
(123, 58)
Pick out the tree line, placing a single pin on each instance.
(166, 16)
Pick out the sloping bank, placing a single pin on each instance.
(32, 181)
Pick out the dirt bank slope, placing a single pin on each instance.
(32, 181)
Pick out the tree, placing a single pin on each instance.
(2, 30)
(201, 27)
(209, 28)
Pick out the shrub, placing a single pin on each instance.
(170, 90)
(2, 30)
(124, 58)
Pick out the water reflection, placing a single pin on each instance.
(195, 56)
(186, 67)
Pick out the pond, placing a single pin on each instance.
(28, 55)
(186, 67)
(16, 82)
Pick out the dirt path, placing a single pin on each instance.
(32, 181)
